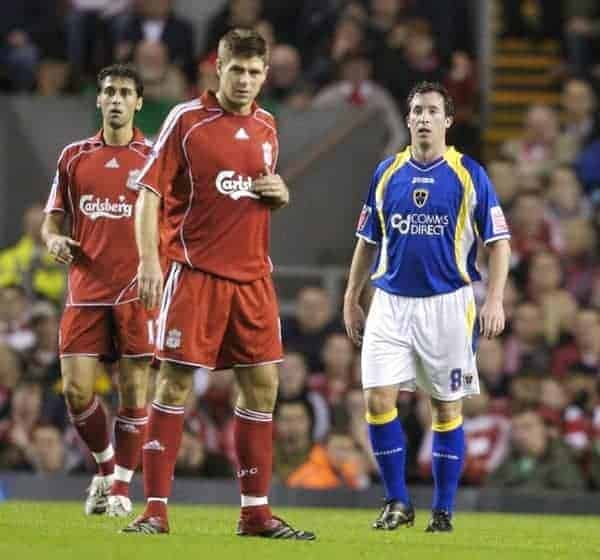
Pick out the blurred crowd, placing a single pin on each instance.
(536, 424)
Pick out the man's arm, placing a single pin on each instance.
(354, 316)
(60, 246)
(492, 312)
(150, 277)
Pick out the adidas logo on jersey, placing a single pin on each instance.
(241, 134)
(235, 187)
(112, 164)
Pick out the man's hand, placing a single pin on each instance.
(272, 189)
(354, 321)
(491, 318)
(61, 248)
(150, 282)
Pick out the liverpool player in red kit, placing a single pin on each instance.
(213, 168)
(95, 187)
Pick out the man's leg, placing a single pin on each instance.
(89, 419)
(448, 457)
(130, 429)
(165, 427)
(389, 447)
(253, 439)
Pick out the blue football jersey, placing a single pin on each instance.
(426, 220)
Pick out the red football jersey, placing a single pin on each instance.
(96, 185)
(203, 165)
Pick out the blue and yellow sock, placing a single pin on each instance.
(389, 446)
(448, 452)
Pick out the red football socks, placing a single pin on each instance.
(253, 436)
(91, 426)
(165, 426)
(130, 432)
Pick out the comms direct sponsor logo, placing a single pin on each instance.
(94, 207)
(420, 224)
(234, 185)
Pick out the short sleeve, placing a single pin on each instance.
(166, 158)
(489, 216)
(57, 200)
(368, 227)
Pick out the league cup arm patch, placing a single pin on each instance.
(363, 219)
(499, 225)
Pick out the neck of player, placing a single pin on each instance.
(427, 153)
(117, 136)
(233, 107)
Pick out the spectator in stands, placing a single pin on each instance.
(504, 178)
(536, 461)
(155, 20)
(348, 39)
(193, 459)
(25, 415)
(164, 85)
(540, 147)
(11, 372)
(490, 364)
(28, 264)
(47, 451)
(582, 31)
(293, 386)
(531, 229)
(92, 31)
(313, 320)
(588, 171)
(583, 354)
(486, 437)
(14, 309)
(300, 463)
(285, 85)
(420, 61)
(235, 13)
(565, 196)
(356, 88)
(525, 350)
(581, 122)
(207, 78)
(461, 83)
(42, 360)
(337, 357)
(578, 255)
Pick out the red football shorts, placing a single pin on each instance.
(112, 331)
(212, 322)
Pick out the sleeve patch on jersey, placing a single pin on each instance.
(499, 224)
(365, 214)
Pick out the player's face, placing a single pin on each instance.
(240, 80)
(427, 120)
(118, 101)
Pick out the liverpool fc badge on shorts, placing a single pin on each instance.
(420, 197)
(173, 339)
(268, 153)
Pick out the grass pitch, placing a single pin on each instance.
(44, 530)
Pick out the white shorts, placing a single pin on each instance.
(427, 341)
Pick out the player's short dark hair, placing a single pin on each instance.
(432, 87)
(243, 43)
(121, 71)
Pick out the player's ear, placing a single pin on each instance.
(449, 122)
(218, 66)
(139, 104)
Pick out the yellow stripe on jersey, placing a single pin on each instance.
(464, 229)
(398, 162)
(447, 426)
(379, 419)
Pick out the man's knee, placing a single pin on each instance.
(258, 387)
(78, 394)
(445, 411)
(133, 383)
(174, 384)
(381, 400)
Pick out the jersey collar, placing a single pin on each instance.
(138, 138)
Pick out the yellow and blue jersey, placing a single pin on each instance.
(426, 220)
